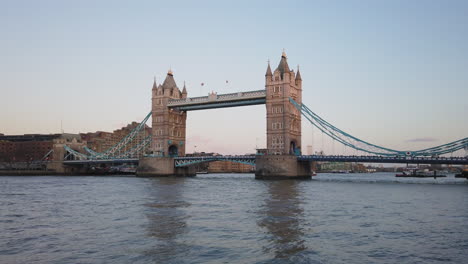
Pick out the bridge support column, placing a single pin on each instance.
(162, 167)
(56, 167)
(281, 167)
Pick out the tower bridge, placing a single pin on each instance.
(282, 97)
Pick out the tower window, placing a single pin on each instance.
(277, 125)
(276, 109)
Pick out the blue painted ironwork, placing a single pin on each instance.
(112, 151)
(387, 159)
(133, 151)
(75, 154)
(128, 154)
(187, 161)
(358, 144)
(115, 151)
(91, 152)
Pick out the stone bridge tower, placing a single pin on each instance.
(283, 119)
(283, 126)
(168, 127)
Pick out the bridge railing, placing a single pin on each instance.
(386, 159)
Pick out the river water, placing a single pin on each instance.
(233, 218)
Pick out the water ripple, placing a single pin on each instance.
(232, 218)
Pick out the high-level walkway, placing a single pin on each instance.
(214, 100)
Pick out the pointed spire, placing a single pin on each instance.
(298, 75)
(154, 84)
(268, 72)
(169, 82)
(283, 65)
(184, 91)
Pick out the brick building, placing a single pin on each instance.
(98, 141)
(29, 147)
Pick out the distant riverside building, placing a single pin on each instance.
(98, 141)
(228, 166)
(341, 166)
(334, 166)
(30, 147)
(34, 147)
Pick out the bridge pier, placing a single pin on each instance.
(281, 167)
(162, 167)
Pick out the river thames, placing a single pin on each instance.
(233, 218)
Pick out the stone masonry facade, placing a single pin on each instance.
(168, 127)
(283, 119)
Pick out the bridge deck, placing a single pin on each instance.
(100, 161)
(381, 159)
(219, 101)
(250, 159)
(187, 161)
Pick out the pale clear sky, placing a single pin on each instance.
(394, 73)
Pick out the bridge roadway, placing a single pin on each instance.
(250, 159)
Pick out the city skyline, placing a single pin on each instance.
(398, 82)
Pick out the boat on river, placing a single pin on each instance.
(463, 174)
(420, 174)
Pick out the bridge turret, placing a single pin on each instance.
(298, 77)
(168, 124)
(283, 119)
(283, 66)
(184, 92)
(154, 90)
(268, 74)
(170, 88)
